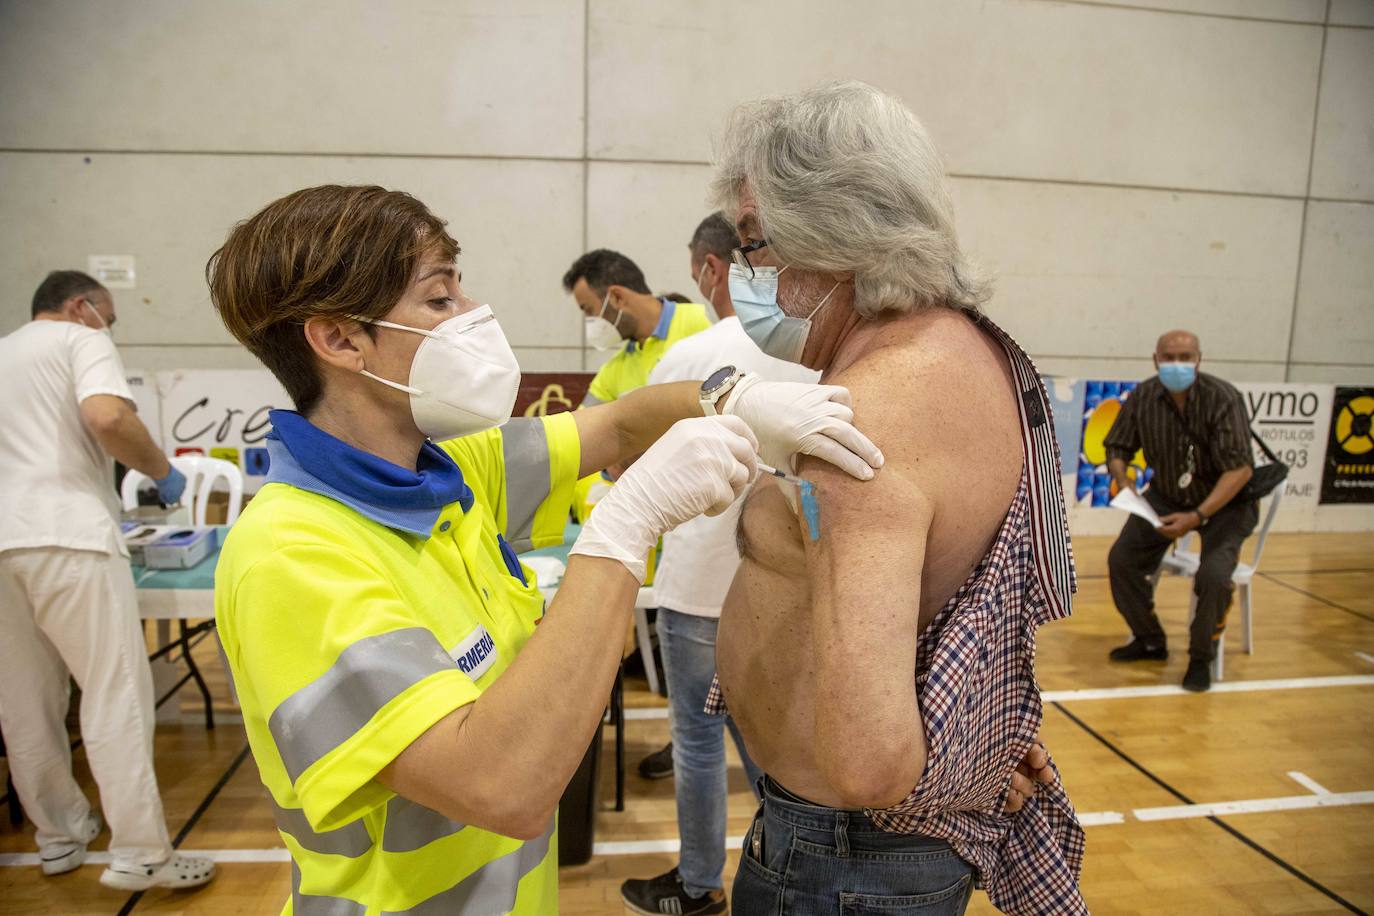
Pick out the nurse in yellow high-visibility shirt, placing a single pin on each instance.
(413, 713)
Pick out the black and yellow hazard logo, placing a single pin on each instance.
(1355, 426)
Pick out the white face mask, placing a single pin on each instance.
(711, 312)
(464, 377)
(603, 334)
(104, 328)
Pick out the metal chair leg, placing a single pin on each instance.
(646, 648)
(16, 809)
(195, 673)
(1245, 618)
(618, 716)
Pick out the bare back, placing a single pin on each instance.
(935, 394)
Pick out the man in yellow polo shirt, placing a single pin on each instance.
(413, 711)
(622, 315)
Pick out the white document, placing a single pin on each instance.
(1132, 502)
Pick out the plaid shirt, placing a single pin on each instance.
(980, 704)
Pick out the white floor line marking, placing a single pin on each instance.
(646, 847)
(1365, 656)
(1255, 806)
(1169, 690)
(1308, 783)
(1100, 818)
(1153, 690)
(280, 854)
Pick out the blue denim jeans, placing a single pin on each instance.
(688, 643)
(801, 859)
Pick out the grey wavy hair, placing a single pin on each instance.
(847, 179)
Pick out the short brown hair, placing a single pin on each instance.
(329, 251)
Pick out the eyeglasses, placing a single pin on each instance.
(740, 255)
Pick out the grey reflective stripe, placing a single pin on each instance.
(489, 890)
(591, 400)
(351, 840)
(315, 905)
(410, 826)
(367, 675)
(526, 451)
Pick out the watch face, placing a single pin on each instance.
(718, 378)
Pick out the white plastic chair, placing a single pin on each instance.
(201, 474)
(1184, 562)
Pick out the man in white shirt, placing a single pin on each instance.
(67, 603)
(694, 573)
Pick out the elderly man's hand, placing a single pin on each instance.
(1177, 524)
(1033, 769)
(791, 417)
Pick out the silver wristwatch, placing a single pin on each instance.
(716, 387)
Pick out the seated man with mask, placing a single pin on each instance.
(877, 646)
(1195, 434)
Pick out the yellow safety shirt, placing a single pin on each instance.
(630, 367)
(349, 637)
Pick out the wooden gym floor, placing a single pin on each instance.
(1287, 739)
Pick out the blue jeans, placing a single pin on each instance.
(688, 643)
(800, 859)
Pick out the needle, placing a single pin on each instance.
(779, 474)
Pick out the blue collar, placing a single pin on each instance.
(665, 319)
(307, 457)
(665, 324)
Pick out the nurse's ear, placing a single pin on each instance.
(338, 342)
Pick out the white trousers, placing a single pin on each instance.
(75, 611)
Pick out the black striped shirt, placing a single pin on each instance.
(1150, 420)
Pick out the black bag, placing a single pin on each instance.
(1266, 477)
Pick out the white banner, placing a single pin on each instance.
(1292, 420)
(221, 413)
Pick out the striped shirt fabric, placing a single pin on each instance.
(1220, 440)
(979, 700)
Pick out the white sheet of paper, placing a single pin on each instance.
(1132, 502)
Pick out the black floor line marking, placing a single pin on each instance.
(1291, 869)
(194, 819)
(1326, 601)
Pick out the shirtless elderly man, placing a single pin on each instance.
(879, 655)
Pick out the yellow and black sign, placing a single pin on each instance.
(1349, 473)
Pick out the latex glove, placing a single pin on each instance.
(170, 488)
(792, 417)
(699, 466)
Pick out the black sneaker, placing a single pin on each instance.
(665, 894)
(1199, 676)
(658, 765)
(1137, 651)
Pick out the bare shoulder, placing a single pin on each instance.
(928, 385)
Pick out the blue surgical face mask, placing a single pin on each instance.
(756, 303)
(1178, 376)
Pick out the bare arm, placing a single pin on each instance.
(1117, 467)
(622, 429)
(502, 762)
(1228, 485)
(122, 435)
(865, 572)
